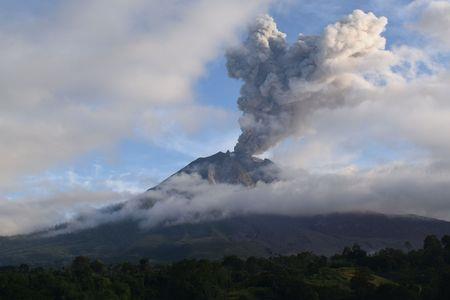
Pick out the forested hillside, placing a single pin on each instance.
(352, 274)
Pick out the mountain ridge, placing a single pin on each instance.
(250, 235)
(230, 168)
(244, 235)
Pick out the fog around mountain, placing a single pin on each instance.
(190, 198)
(351, 120)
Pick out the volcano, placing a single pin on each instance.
(230, 168)
(245, 235)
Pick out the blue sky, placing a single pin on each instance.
(144, 162)
(114, 96)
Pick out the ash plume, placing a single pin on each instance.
(283, 83)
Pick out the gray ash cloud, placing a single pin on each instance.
(283, 83)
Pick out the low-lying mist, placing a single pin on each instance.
(390, 189)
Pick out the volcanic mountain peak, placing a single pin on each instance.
(231, 168)
(124, 238)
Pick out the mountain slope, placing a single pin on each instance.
(230, 168)
(249, 235)
(257, 235)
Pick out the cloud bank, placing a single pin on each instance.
(390, 189)
(379, 190)
(83, 75)
(41, 213)
(344, 94)
(326, 102)
(347, 97)
(434, 20)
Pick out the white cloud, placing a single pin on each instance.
(29, 215)
(54, 198)
(434, 20)
(408, 120)
(85, 75)
(404, 111)
(392, 189)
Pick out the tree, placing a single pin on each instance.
(81, 266)
(433, 252)
(361, 284)
(394, 292)
(432, 244)
(446, 242)
(355, 253)
(97, 266)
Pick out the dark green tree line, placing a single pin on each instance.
(352, 274)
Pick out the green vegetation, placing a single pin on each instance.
(353, 274)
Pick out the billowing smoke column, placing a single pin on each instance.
(285, 83)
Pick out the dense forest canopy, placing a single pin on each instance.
(352, 274)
